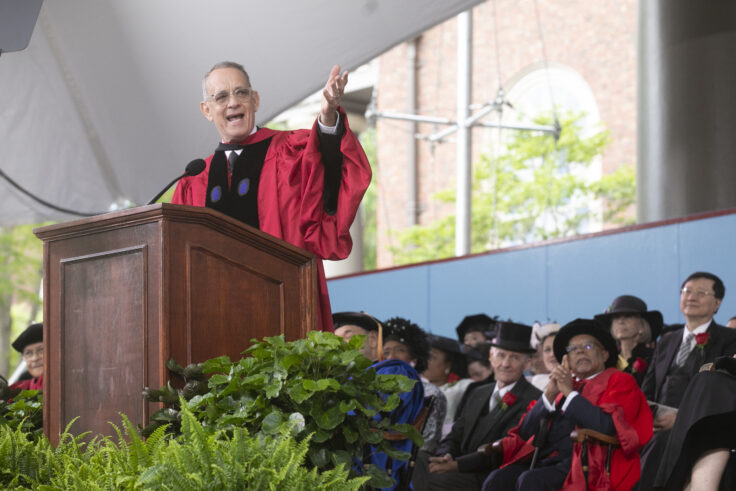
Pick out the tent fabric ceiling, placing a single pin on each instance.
(103, 104)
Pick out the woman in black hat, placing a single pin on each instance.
(447, 369)
(30, 345)
(634, 328)
(403, 340)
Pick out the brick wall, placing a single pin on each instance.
(596, 39)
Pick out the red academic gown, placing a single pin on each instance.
(617, 394)
(29, 384)
(290, 204)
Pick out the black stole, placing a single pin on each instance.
(239, 199)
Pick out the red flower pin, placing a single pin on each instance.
(640, 365)
(701, 340)
(508, 400)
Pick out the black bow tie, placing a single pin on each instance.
(230, 146)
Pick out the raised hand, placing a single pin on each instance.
(332, 96)
(562, 375)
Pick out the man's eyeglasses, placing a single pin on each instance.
(241, 94)
(698, 293)
(579, 347)
(32, 353)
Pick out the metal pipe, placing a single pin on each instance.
(463, 190)
(411, 157)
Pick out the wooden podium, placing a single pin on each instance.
(126, 291)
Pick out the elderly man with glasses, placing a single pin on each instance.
(678, 357)
(301, 186)
(30, 345)
(584, 391)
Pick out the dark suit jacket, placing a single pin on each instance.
(722, 341)
(580, 412)
(472, 430)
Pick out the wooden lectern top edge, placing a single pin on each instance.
(176, 213)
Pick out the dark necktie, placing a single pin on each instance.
(231, 160)
(231, 147)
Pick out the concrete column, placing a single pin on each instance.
(686, 107)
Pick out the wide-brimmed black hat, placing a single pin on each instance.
(478, 322)
(513, 337)
(447, 345)
(591, 327)
(32, 334)
(629, 304)
(360, 319)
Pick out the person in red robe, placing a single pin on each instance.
(30, 345)
(301, 186)
(584, 391)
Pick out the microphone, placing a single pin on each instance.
(193, 168)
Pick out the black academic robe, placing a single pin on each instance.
(705, 421)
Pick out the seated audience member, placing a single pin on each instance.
(699, 452)
(480, 370)
(633, 327)
(447, 369)
(584, 391)
(479, 363)
(405, 341)
(30, 345)
(476, 329)
(732, 322)
(410, 406)
(545, 337)
(677, 359)
(348, 324)
(487, 416)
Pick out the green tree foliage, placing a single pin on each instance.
(318, 385)
(534, 190)
(368, 141)
(20, 277)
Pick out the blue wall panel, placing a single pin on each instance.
(507, 285)
(402, 292)
(710, 245)
(553, 281)
(586, 275)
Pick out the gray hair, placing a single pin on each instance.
(218, 66)
(646, 332)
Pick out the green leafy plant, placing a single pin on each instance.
(321, 386)
(197, 459)
(21, 409)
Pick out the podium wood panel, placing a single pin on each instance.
(126, 291)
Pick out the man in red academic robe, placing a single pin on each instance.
(585, 391)
(301, 186)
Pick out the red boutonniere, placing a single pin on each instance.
(640, 365)
(508, 400)
(701, 340)
(531, 405)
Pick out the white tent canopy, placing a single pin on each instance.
(103, 104)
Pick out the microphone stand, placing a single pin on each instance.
(161, 193)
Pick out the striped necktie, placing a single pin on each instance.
(685, 349)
